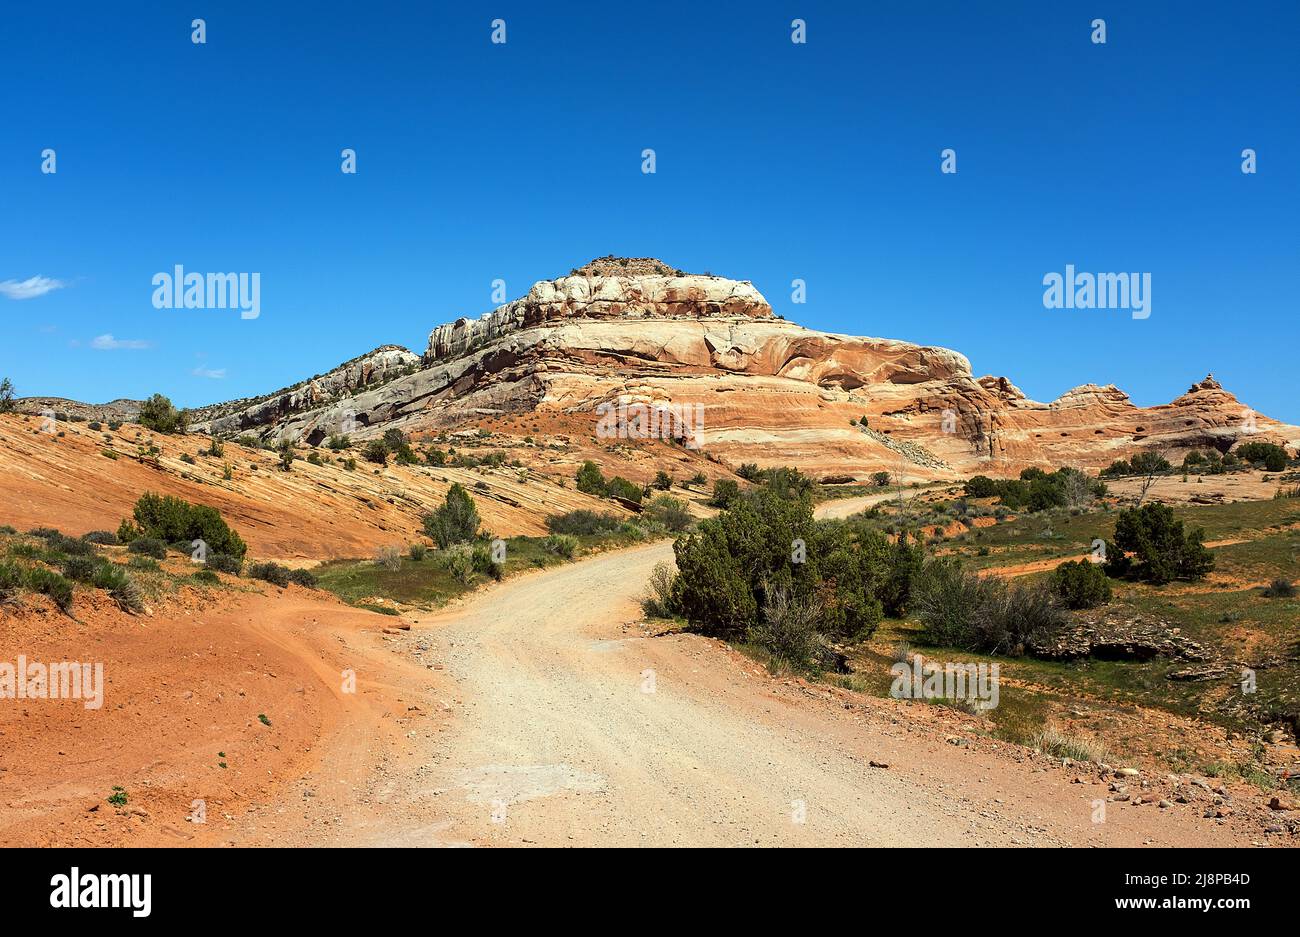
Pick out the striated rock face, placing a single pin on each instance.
(633, 331)
(257, 414)
(595, 296)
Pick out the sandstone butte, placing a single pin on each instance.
(633, 330)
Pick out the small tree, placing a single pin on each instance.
(6, 396)
(1080, 584)
(905, 562)
(456, 521)
(1149, 465)
(158, 414)
(663, 481)
(376, 452)
(725, 491)
(1162, 550)
(620, 487)
(590, 480)
(286, 456)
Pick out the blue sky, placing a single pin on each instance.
(775, 161)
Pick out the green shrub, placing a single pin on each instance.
(671, 513)
(206, 577)
(73, 546)
(725, 491)
(1081, 584)
(880, 479)
(1015, 616)
(1280, 589)
(418, 551)
(790, 632)
(460, 563)
(958, 608)
(376, 452)
(175, 520)
(904, 564)
(632, 530)
(619, 487)
(583, 521)
(1149, 463)
(481, 561)
(1272, 456)
(749, 472)
(730, 565)
(11, 579)
(304, 578)
(658, 599)
(663, 481)
(1162, 550)
(149, 546)
(80, 568)
(456, 521)
(981, 486)
(105, 537)
(158, 414)
(590, 480)
(118, 583)
(1037, 490)
(273, 573)
(224, 563)
(947, 598)
(51, 584)
(563, 545)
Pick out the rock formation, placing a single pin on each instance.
(636, 331)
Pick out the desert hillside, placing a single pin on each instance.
(80, 478)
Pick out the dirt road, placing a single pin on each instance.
(574, 728)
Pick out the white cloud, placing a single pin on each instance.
(215, 373)
(30, 288)
(109, 343)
